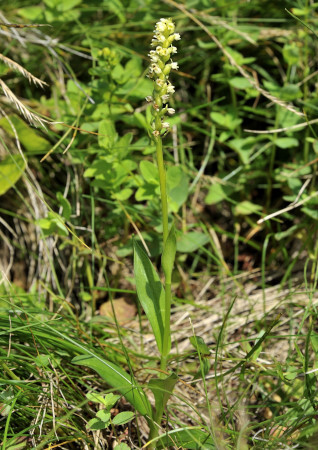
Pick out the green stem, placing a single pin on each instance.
(163, 188)
(164, 211)
(166, 335)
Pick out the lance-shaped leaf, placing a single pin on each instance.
(150, 292)
(169, 254)
(118, 379)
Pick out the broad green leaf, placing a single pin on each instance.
(200, 346)
(31, 13)
(150, 292)
(190, 242)
(122, 146)
(104, 415)
(162, 390)
(123, 417)
(286, 142)
(123, 195)
(191, 439)
(52, 224)
(226, 120)
(169, 254)
(107, 134)
(65, 204)
(291, 53)
(117, 378)
(240, 83)
(94, 397)
(311, 212)
(42, 360)
(66, 5)
(107, 400)
(243, 147)
(96, 424)
(149, 171)
(178, 187)
(11, 169)
(245, 208)
(122, 446)
(217, 193)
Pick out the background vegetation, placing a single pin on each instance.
(243, 146)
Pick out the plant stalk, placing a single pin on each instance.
(163, 187)
(164, 212)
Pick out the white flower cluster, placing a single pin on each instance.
(159, 70)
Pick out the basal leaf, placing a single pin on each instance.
(118, 379)
(186, 438)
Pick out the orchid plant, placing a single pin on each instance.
(154, 296)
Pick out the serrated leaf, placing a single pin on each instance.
(150, 292)
(123, 417)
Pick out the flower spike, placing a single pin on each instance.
(159, 70)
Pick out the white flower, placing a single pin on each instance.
(174, 65)
(165, 98)
(161, 26)
(154, 58)
(173, 49)
(177, 36)
(159, 82)
(165, 125)
(149, 98)
(170, 27)
(163, 51)
(171, 111)
(170, 89)
(156, 69)
(160, 37)
(156, 133)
